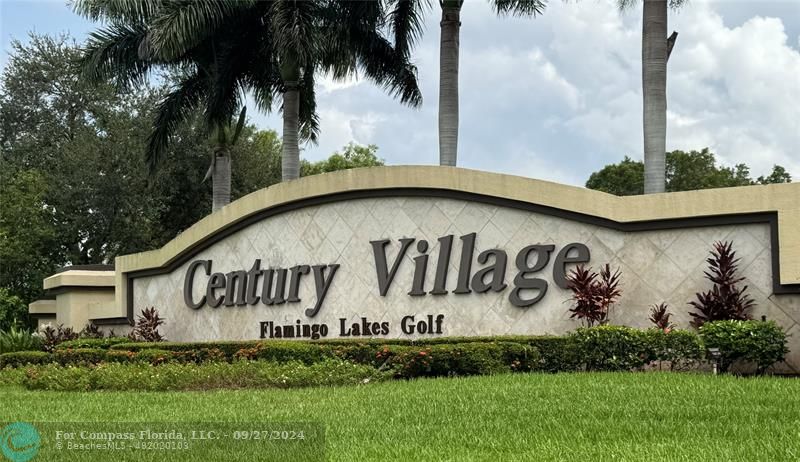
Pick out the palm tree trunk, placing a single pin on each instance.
(654, 91)
(290, 156)
(448, 82)
(221, 182)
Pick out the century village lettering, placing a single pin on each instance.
(282, 285)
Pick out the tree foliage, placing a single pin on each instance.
(227, 48)
(686, 171)
(74, 187)
(352, 156)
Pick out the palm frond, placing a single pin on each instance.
(117, 10)
(520, 7)
(176, 107)
(183, 25)
(309, 119)
(406, 21)
(294, 29)
(387, 68)
(239, 125)
(113, 53)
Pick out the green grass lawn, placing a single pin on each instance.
(581, 417)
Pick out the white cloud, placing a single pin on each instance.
(559, 96)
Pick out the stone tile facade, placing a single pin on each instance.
(657, 266)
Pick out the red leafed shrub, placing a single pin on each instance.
(726, 300)
(593, 294)
(147, 324)
(659, 315)
(54, 336)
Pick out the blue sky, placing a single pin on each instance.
(559, 96)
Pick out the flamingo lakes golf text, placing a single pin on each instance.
(279, 286)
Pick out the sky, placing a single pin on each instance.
(559, 96)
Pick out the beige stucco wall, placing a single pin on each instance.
(784, 198)
(657, 266)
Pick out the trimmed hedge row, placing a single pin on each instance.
(761, 343)
(603, 348)
(103, 343)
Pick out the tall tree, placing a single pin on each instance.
(406, 19)
(685, 171)
(265, 48)
(656, 49)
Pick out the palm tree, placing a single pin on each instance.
(656, 49)
(406, 20)
(133, 44)
(228, 48)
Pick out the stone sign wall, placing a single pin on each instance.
(415, 252)
(657, 266)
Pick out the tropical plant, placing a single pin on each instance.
(146, 329)
(17, 339)
(406, 22)
(90, 330)
(656, 49)
(52, 336)
(226, 48)
(726, 300)
(593, 294)
(659, 315)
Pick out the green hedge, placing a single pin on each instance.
(762, 343)
(599, 348)
(239, 374)
(79, 356)
(602, 348)
(447, 359)
(103, 343)
(229, 348)
(23, 358)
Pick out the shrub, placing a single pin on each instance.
(118, 356)
(307, 353)
(761, 342)
(726, 300)
(90, 330)
(103, 343)
(172, 376)
(146, 329)
(15, 339)
(557, 354)
(22, 358)
(55, 336)
(459, 359)
(79, 356)
(681, 349)
(659, 315)
(229, 348)
(201, 355)
(614, 348)
(154, 356)
(593, 294)
(11, 376)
